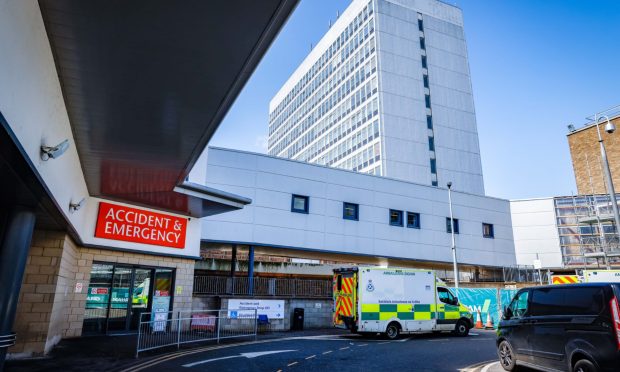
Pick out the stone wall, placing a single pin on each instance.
(51, 308)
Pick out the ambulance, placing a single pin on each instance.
(391, 301)
(601, 276)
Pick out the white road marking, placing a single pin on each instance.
(385, 342)
(242, 355)
(474, 334)
(362, 345)
(342, 348)
(310, 357)
(488, 366)
(403, 340)
(327, 352)
(291, 364)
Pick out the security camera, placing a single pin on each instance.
(610, 127)
(74, 207)
(54, 151)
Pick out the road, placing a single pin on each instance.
(341, 352)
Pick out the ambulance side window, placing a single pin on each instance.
(339, 281)
(445, 296)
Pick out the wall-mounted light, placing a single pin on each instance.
(54, 151)
(74, 207)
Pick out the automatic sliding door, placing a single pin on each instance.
(119, 304)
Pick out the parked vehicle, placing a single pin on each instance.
(573, 327)
(392, 301)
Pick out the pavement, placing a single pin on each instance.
(327, 349)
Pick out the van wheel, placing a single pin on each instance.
(584, 365)
(392, 331)
(461, 329)
(506, 356)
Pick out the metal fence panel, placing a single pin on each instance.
(157, 330)
(283, 287)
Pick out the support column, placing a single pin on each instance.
(233, 260)
(251, 271)
(15, 238)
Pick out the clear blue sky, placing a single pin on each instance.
(536, 66)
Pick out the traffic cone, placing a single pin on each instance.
(479, 320)
(489, 324)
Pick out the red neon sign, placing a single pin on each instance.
(128, 224)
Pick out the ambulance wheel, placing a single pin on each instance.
(461, 329)
(392, 331)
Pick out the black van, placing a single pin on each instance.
(574, 327)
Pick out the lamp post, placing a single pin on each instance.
(455, 268)
(609, 128)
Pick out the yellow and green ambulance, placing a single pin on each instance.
(393, 301)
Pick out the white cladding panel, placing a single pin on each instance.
(535, 232)
(270, 182)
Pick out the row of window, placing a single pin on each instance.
(427, 102)
(332, 50)
(300, 122)
(350, 211)
(336, 70)
(340, 131)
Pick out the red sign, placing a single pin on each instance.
(118, 222)
(98, 291)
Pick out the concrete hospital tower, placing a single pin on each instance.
(386, 91)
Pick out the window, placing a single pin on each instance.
(446, 296)
(433, 166)
(434, 183)
(429, 122)
(425, 78)
(449, 226)
(431, 144)
(487, 230)
(567, 301)
(518, 306)
(396, 217)
(422, 44)
(413, 220)
(424, 65)
(300, 204)
(427, 100)
(350, 211)
(420, 25)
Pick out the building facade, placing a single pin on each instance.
(307, 210)
(586, 156)
(99, 210)
(386, 91)
(565, 231)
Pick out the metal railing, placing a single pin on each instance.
(163, 329)
(287, 287)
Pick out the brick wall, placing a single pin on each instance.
(586, 157)
(49, 309)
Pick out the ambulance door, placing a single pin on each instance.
(447, 309)
(344, 299)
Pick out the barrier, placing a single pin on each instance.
(164, 329)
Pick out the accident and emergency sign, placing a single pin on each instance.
(120, 222)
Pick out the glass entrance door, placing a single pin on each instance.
(118, 295)
(141, 296)
(119, 301)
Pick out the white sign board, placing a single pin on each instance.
(78, 287)
(537, 264)
(243, 308)
(598, 276)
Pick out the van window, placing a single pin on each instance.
(518, 306)
(445, 296)
(567, 301)
(339, 285)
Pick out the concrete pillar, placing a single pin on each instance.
(16, 228)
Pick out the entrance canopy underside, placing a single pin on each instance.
(147, 83)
